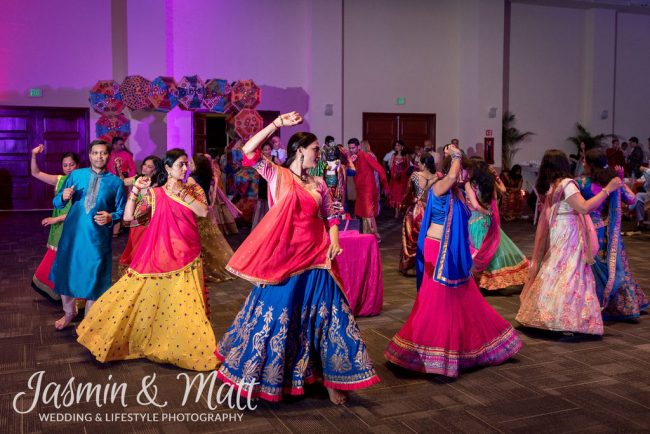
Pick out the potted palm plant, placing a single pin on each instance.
(584, 136)
(510, 138)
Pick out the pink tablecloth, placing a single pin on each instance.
(360, 268)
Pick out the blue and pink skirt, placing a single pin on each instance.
(292, 334)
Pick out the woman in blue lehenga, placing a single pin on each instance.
(619, 294)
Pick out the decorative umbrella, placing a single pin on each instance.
(106, 98)
(191, 92)
(247, 122)
(245, 94)
(216, 95)
(108, 127)
(163, 93)
(135, 90)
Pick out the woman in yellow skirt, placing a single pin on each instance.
(157, 310)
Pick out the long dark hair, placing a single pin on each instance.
(483, 180)
(555, 165)
(202, 172)
(160, 169)
(170, 157)
(599, 171)
(428, 161)
(403, 151)
(297, 141)
(515, 172)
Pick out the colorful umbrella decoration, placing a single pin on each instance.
(106, 98)
(163, 93)
(135, 90)
(108, 127)
(245, 94)
(191, 92)
(247, 122)
(216, 95)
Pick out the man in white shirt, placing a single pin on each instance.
(278, 152)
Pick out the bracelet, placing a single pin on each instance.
(133, 190)
(281, 122)
(604, 190)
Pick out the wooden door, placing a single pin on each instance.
(23, 128)
(382, 129)
(414, 129)
(200, 133)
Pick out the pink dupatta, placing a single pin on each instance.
(490, 243)
(547, 219)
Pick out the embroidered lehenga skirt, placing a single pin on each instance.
(291, 334)
(450, 328)
(508, 267)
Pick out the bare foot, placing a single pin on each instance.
(337, 397)
(64, 321)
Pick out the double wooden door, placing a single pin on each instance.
(382, 129)
(22, 129)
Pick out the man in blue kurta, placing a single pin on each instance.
(82, 268)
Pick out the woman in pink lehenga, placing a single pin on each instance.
(451, 326)
(560, 293)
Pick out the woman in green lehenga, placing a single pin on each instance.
(498, 262)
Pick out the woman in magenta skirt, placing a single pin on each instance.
(451, 326)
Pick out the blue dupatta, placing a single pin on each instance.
(609, 270)
(454, 260)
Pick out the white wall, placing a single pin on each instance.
(632, 77)
(547, 58)
(407, 49)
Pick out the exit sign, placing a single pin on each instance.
(35, 92)
(400, 100)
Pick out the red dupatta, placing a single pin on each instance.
(290, 239)
(172, 239)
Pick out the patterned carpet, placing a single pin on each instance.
(556, 384)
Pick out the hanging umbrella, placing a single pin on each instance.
(245, 94)
(135, 90)
(217, 93)
(108, 127)
(191, 92)
(106, 98)
(247, 122)
(163, 93)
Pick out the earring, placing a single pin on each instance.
(302, 159)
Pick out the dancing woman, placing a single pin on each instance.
(296, 325)
(419, 184)
(451, 326)
(157, 309)
(399, 177)
(152, 168)
(560, 293)
(41, 281)
(512, 202)
(618, 292)
(497, 263)
(215, 249)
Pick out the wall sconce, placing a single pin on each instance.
(604, 114)
(492, 112)
(329, 109)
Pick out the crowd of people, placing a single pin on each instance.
(296, 327)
